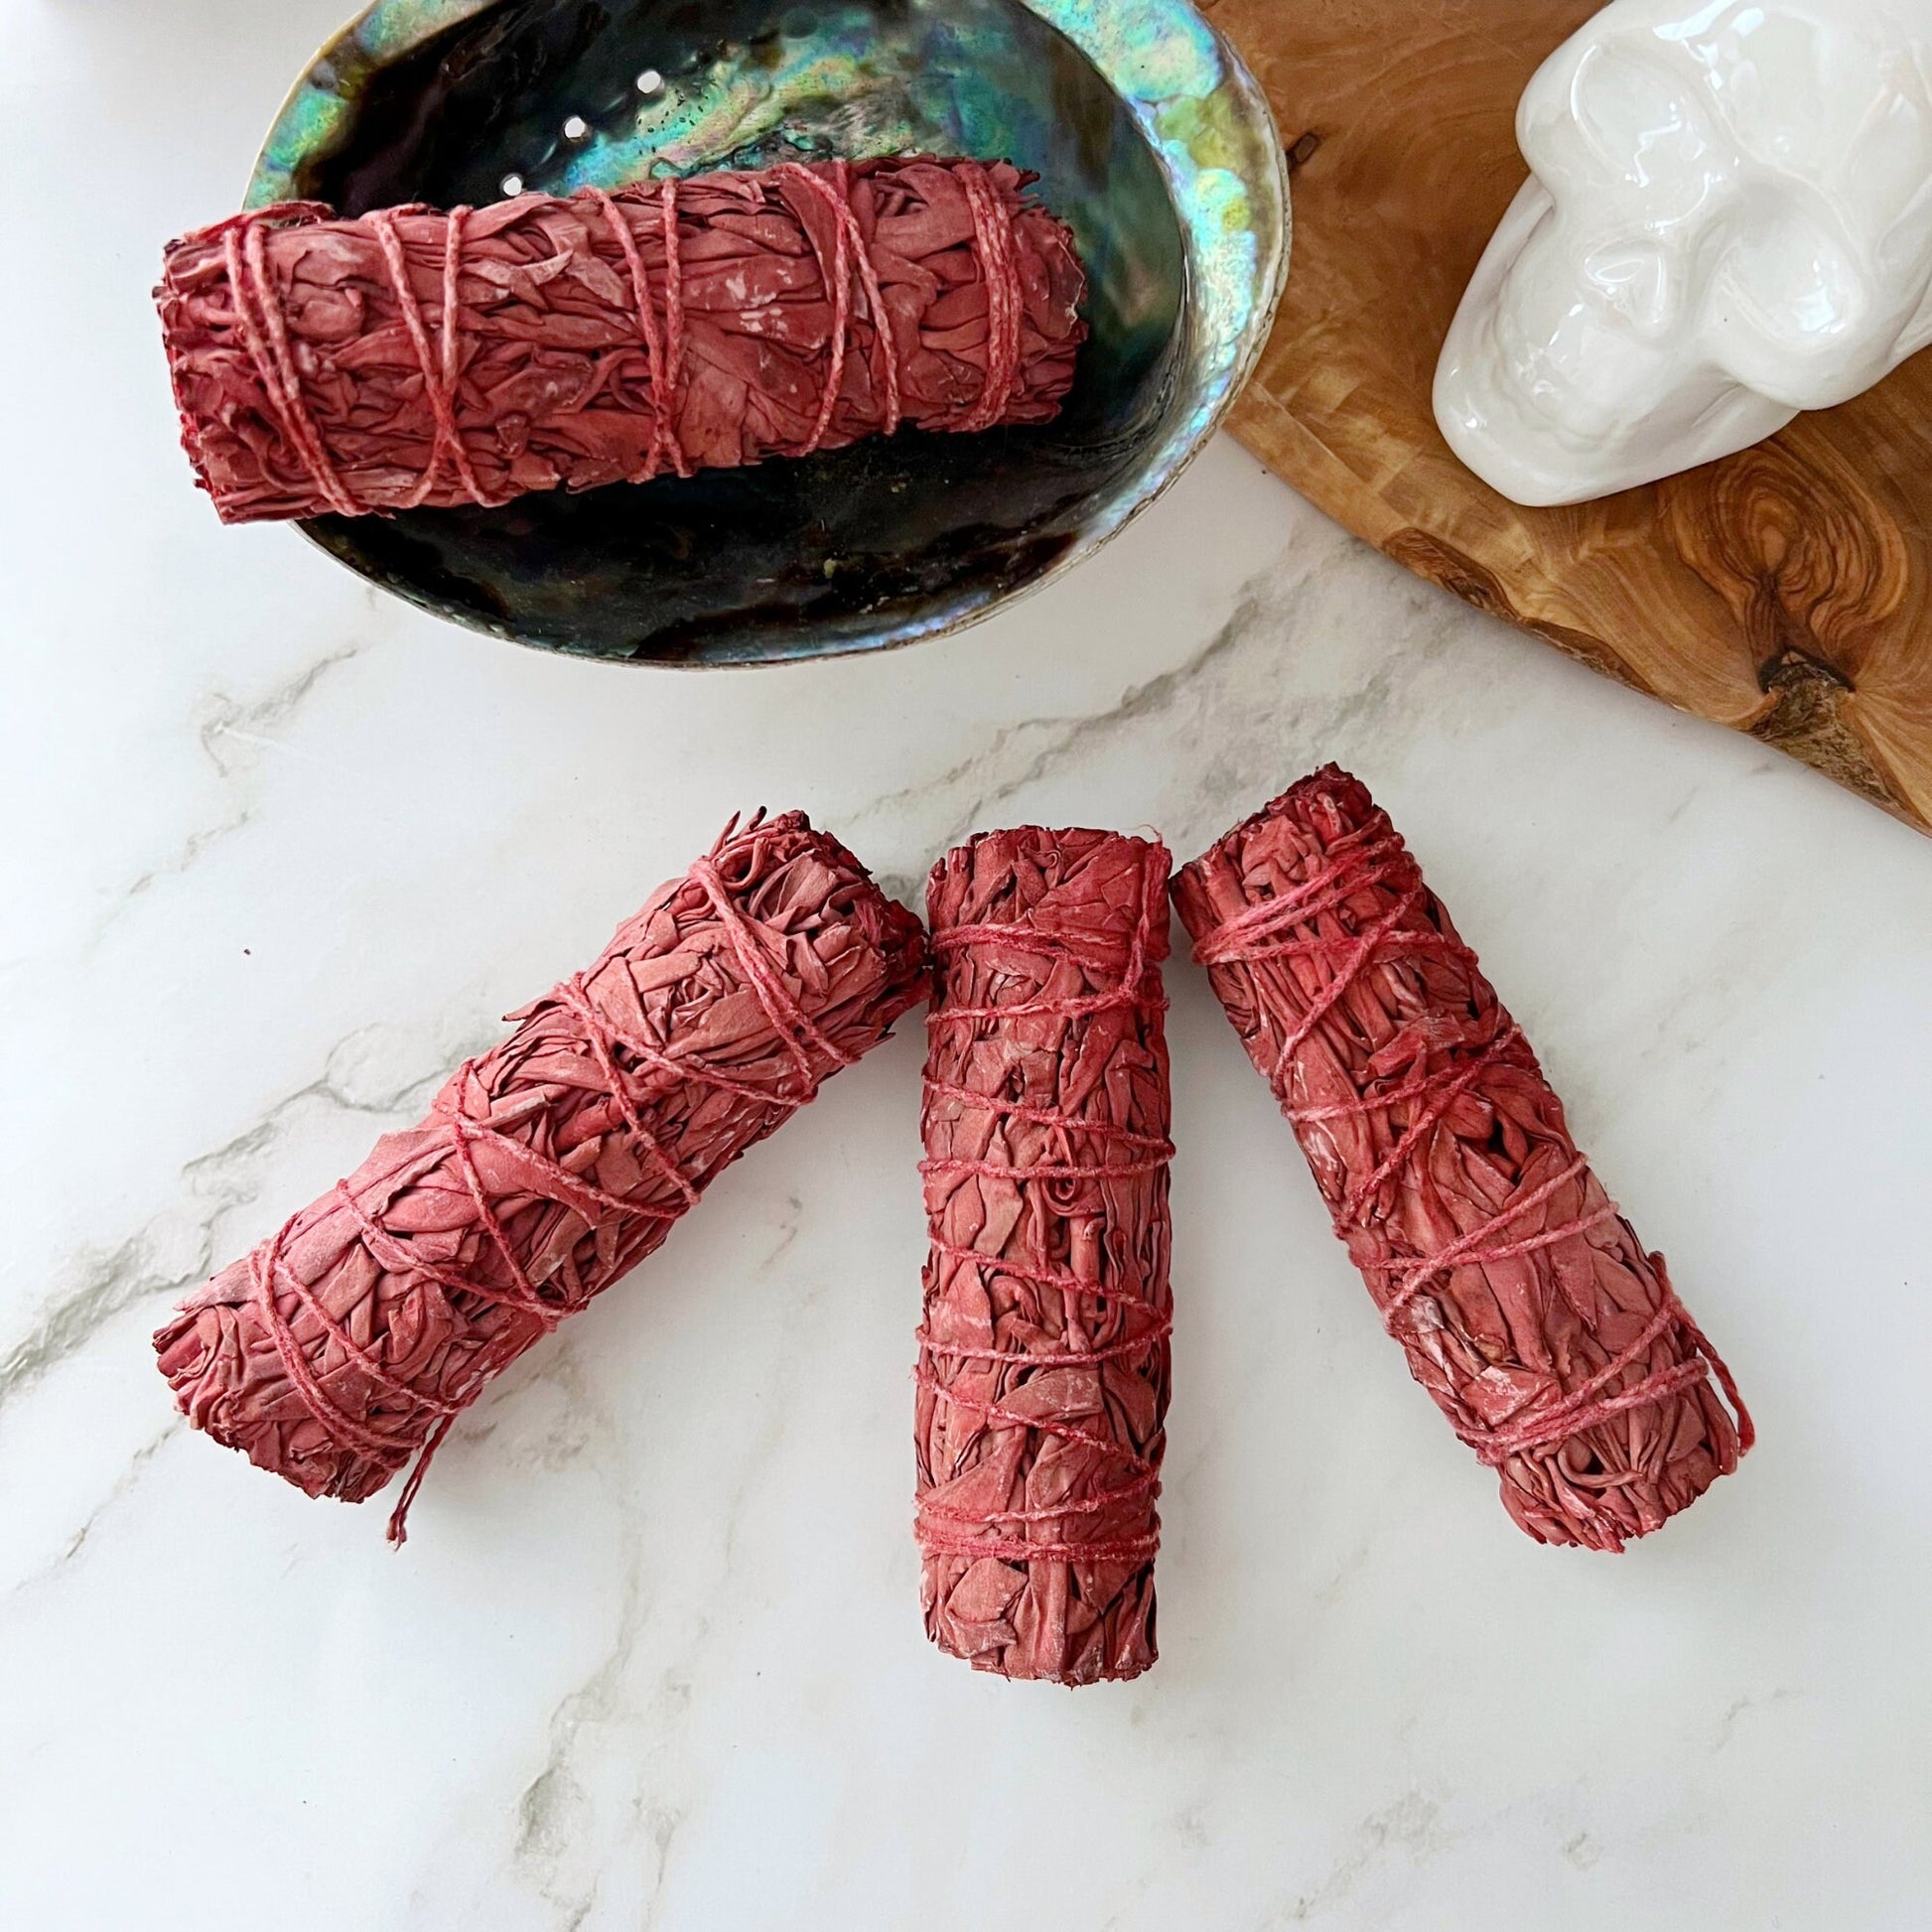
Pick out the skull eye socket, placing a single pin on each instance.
(1785, 302)
(1788, 281)
(1644, 123)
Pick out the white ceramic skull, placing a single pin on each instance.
(1729, 221)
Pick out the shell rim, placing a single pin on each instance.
(1207, 57)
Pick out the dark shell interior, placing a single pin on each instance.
(890, 540)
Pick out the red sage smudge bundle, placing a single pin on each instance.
(410, 357)
(1043, 1355)
(1526, 1305)
(350, 1341)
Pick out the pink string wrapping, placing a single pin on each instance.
(265, 331)
(442, 345)
(256, 295)
(663, 347)
(388, 1414)
(794, 1029)
(1291, 913)
(1102, 1181)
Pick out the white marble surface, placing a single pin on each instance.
(278, 851)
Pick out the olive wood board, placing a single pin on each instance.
(1783, 592)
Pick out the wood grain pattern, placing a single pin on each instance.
(1783, 591)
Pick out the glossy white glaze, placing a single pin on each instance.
(1729, 221)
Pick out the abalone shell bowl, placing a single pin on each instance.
(1149, 138)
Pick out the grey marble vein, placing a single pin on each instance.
(1021, 754)
(124, 1484)
(564, 1817)
(1412, 1826)
(763, 1441)
(177, 1248)
(1583, 1851)
(231, 732)
(1740, 1708)
(1273, 690)
(556, 1832)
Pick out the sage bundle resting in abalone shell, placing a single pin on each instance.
(1527, 1307)
(408, 357)
(1042, 1377)
(547, 1167)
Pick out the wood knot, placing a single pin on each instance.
(1813, 567)
(1802, 717)
(1808, 559)
(1792, 670)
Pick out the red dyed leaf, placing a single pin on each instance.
(548, 1167)
(1043, 1362)
(1525, 1302)
(409, 356)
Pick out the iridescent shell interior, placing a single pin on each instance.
(1149, 139)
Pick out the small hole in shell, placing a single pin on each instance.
(513, 187)
(650, 82)
(575, 128)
